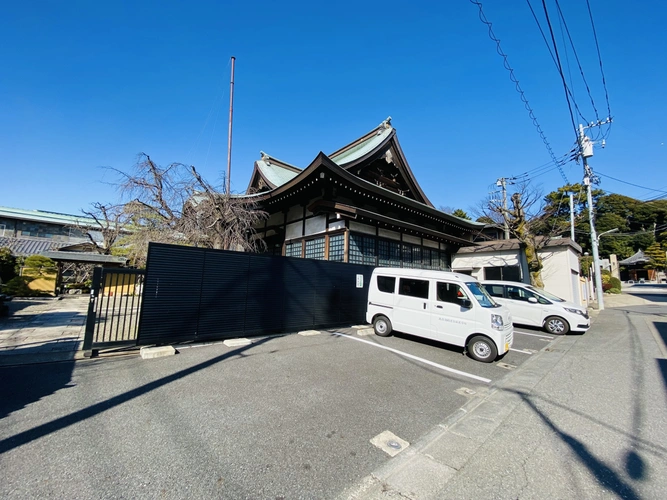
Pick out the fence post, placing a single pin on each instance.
(88, 351)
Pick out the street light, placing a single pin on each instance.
(607, 232)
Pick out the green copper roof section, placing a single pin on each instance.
(364, 145)
(277, 172)
(49, 217)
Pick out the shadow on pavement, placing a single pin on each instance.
(651, 297)
(661, 327)
(604, 474)
(85, 413)
(25, 384)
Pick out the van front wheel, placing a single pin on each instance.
(482, 349)
(382, 326)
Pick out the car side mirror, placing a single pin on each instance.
(532, 300)
(466, 304)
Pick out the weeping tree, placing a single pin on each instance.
(175, 204)
(530, 219)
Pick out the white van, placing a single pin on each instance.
(536, 307)
(447, 307)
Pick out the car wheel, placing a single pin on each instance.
(556, 325)
(382, 326)
(482, 349)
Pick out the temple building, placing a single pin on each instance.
(361, 204)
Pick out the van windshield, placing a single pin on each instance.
(546, 294)
(482, 296)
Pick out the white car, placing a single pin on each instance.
(536, 307)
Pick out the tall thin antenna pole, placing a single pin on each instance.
(229, 136)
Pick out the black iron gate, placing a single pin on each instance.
(114, 309)
(199, 294)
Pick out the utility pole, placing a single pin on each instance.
(229, 135)
(586, 151)
(502, 183)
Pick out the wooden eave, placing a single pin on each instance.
(323, 162)
(254, 179)
(390, 142)
(360, 214)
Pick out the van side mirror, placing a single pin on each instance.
(532, 300)
(466, 304)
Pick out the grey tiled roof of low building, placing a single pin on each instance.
(23, 247)
(638, 258)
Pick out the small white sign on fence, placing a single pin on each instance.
(360, 280)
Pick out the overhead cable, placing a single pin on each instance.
(631, 184)
(581, 71)
(518, 88)
(597, 47)
(560, 68)
(544, 37)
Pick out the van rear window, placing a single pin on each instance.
(413, 288)
(386, 284)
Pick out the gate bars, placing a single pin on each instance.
(114, 309)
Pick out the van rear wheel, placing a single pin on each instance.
(382, 326)
(482, 349)
(556, 325)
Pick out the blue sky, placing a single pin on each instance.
(85, 85)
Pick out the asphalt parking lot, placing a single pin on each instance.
(286, 417)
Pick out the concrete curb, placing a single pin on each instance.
(424, 469)
(39, 358)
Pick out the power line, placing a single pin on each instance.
(553, 58)
(547, 167)
(597, 47)
(560, 67)
(518, 88)
(581, 71)
(631, 184)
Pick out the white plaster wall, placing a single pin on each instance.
(361, 228)
(479, 260)
(390, 235)
(557, 273)
(317, 224)
(408, 238)
(432, 244)
(295, 213)
(339, 224)
(275, 219)
(293, 230)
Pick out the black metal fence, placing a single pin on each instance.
(200, 294)
(114, 309)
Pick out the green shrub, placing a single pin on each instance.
(614, 290)
(615, 283)
(18, 287)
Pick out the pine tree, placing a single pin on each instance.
(657, 255)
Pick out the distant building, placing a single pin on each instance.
(504, 260)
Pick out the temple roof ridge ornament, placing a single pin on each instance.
(385, 124)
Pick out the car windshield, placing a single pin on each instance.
(546, 294)
(482, 296)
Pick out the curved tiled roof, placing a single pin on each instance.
(23, 247)
(363, 145)
(638, 258)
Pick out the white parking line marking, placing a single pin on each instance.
(533, 334)
(410, 356)
(519, 350)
